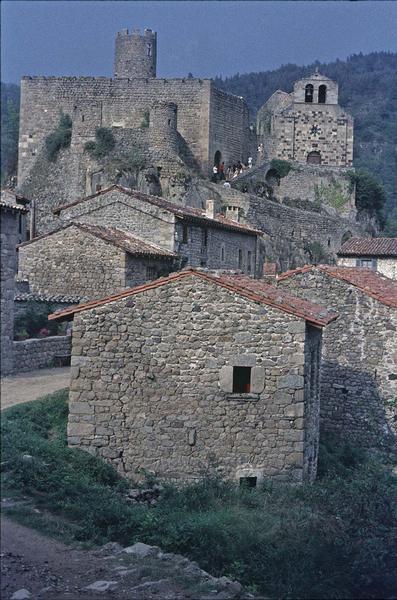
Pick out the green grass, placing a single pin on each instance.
(336, 538)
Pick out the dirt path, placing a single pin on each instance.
(25, 387)
(49, 570)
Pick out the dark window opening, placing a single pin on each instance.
(240, 259)
(309, 93)
(185, 234)
(223, 254)
(82, 118)
(217, 158)
(98, 187)
(248, 482)
(314, 158)
(329, 242)
(249, 261)
(151, 272)
(149, 49)
(169, 122)
(241, 380)
(322, 94)
(204, 237)
(20, 224)
(203, 263)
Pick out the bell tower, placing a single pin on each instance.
(136, 54)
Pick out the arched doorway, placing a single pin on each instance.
(314, 158)
(322, 94)
(217, 158)
(272, 177)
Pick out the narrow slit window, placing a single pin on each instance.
(204, 237)
(249, 256)
(241, 380)
(185, 237)
(240, 259)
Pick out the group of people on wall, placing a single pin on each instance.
(221, 173)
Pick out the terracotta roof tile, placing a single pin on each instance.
(369, 247)
(369, 282)
(116, 237)
(248, 288)
(182, 212)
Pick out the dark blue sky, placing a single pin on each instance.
(206, 38)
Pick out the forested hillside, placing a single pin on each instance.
(367, 89)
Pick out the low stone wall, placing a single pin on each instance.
(39, 353)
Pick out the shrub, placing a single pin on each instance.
(145, 120)
(282, 167)
(34, 322)
(335, 538)
(103, 144)
(370, 194)
(316, 252)
(59, 138)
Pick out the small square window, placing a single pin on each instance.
(248, 482)
(241, 380)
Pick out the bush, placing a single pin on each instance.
(34, 322)
(282, 167)
(370, 194)
(103, 144)
(60, 138)
(335, 538)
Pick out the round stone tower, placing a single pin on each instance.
(135, 55)
(163, 132)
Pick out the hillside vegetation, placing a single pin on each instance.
(335, 538)
(367, 89)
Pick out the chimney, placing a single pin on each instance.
(209, 209)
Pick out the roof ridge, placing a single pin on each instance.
(223, 281)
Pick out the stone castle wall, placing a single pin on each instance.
(33, 354)
(359, 370)
(158, 398)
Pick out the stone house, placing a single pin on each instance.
(195, 371)
(11, 218)
(90, 260)
(359, 367)
(201, 238)
(379, 254)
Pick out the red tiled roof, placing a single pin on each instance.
(369, 247)
(116, 237)
(251, 289)
(182, 212)
(371, 283)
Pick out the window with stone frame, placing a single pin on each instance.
(368, 263)
(241, 379)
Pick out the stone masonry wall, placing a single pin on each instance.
(71, 261)
(217, 248)
(228, 128)
(290, 231)
(359, 369)
(115, 209)
(385, 266)
(334, 139)
(40, 353)
(150, 385)
(9, 235)
(102, 102)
